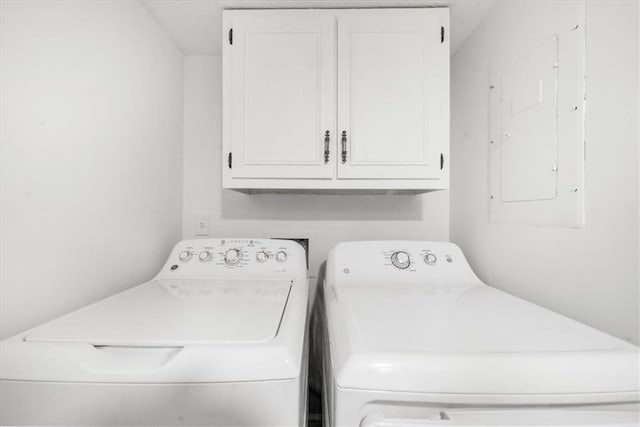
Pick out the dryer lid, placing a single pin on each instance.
(462, 319)
(471, 340)
(176, 313)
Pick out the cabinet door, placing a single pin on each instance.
(282, 94)
(393, 93)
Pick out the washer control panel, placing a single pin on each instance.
(211, 257)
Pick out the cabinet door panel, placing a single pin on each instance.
(283, 94)
(392, 94)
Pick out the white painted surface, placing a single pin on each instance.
(589, 274)
(325, 219)
(91, 155)
(527, 133)
(536, 123)
(196, 24)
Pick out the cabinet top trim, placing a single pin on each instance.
(342, 11)
(399, 8)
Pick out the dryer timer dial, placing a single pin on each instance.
(401, 259)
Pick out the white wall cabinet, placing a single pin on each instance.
(282, 94)
(329, 99)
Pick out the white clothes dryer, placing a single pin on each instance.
(414, 338)
(216, 338)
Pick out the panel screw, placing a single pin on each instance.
(554, 169)
(491, 197)
(574, 189)
(491, 142)
(491, 86)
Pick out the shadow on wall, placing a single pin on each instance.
(319, 207)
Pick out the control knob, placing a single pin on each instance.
(430, 258)
(204, 256)
(281, 256)
(232, 256)
(184, 256)
(262, 256)
(400, 259)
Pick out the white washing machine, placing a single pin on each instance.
(414, 338)
(216, 338)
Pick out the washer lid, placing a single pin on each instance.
(469, 339)
(176, 313)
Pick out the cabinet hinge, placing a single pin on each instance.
(441, 34)
(230, 160)
(441, 161)
(230, 35)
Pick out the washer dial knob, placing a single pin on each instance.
(281, 256)
(430, 259)
(232, 256)
(401, 259)
(184, 256)
(262, 256)
(204, 256)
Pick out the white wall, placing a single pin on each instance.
(324, 219)
(590, 274)
(91, 156)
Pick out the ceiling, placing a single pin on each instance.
(196, 25)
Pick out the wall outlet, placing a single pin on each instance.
(201, 225)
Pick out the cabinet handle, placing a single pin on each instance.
(326, 147)
(344, 146)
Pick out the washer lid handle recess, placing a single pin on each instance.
(106, 358)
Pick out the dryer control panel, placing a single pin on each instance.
(403, 258)
(235, 257)
(399, 261)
